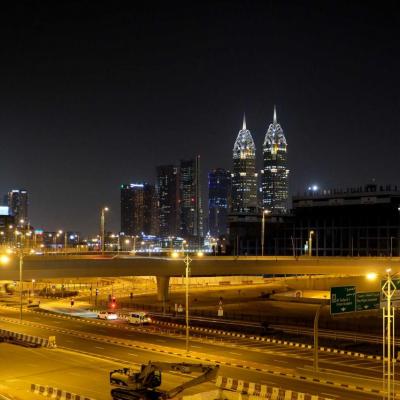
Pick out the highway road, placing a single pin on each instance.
(131, 345)
(70, 371)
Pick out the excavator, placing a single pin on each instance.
(143, 385)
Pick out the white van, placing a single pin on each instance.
(139, 318)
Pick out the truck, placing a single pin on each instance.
(144, 384)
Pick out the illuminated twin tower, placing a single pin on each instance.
(274, 175)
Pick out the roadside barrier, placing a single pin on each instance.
(28, 339)
(54, 393)
(274, 341)
(259, 390)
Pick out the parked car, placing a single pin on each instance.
(107, 315)
(139, 318)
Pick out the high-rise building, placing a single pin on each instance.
(190, 199)
(219, 196)
(18, 205)
(244, 175)
(275, 172)
(168, 198)
(138, 209)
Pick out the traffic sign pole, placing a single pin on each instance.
(388, 379)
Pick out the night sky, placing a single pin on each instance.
(92, 95)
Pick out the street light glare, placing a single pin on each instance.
(175, 254)
(4, 259)
(371, 276)
(200, 254)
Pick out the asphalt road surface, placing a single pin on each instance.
(91, 338)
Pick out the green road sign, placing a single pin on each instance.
(343, 299)
(368, 301)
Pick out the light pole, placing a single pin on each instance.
(102, 227)
(310, 235)
(264, 213)
(187, 260)
(391, 246)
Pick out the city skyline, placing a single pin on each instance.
(80, 117)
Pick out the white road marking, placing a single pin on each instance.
(97, 347)
(133, 354)
(197, 347)
(236, 354)
(281, 361)
(160, 340)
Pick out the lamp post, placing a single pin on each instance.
(187, 260)
(264, 213)
(391, 246)
(310, 235)
(102, 227)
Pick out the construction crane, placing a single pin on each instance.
(143, 385)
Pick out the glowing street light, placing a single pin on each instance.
(310, 235)
(4, 259)
(264, 213)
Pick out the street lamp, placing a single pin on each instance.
(187, 260)
(310, 235)
(391, 246)
(264, 213)
(102, 225)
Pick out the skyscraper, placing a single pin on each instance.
(138, 209)
(219, 193)
(190, 199)
(275, 172)
(168, 197)
(244, 175)
(18, 205)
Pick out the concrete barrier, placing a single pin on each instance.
(264, 391)
(28, 339)
(54, 393)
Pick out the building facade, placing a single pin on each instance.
(18, 205)
(361, 221)
(139, 209)
(168, 197)
(244, 175)
(275, 173)
(219, 199)
(191, 212)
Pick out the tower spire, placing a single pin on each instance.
(244, 121)
(275, 120)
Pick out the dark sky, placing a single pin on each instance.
(95, 95)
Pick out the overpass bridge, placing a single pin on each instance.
(77, 266)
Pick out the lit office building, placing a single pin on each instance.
(138, 209)
(244, 175)
(18, 205)
(219, 193)
(275, 172)
(190, 199)
(168, 198)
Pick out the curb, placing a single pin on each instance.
(54, 393)
(259, 390)
(275, 341)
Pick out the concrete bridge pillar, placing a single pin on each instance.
(162, 288)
